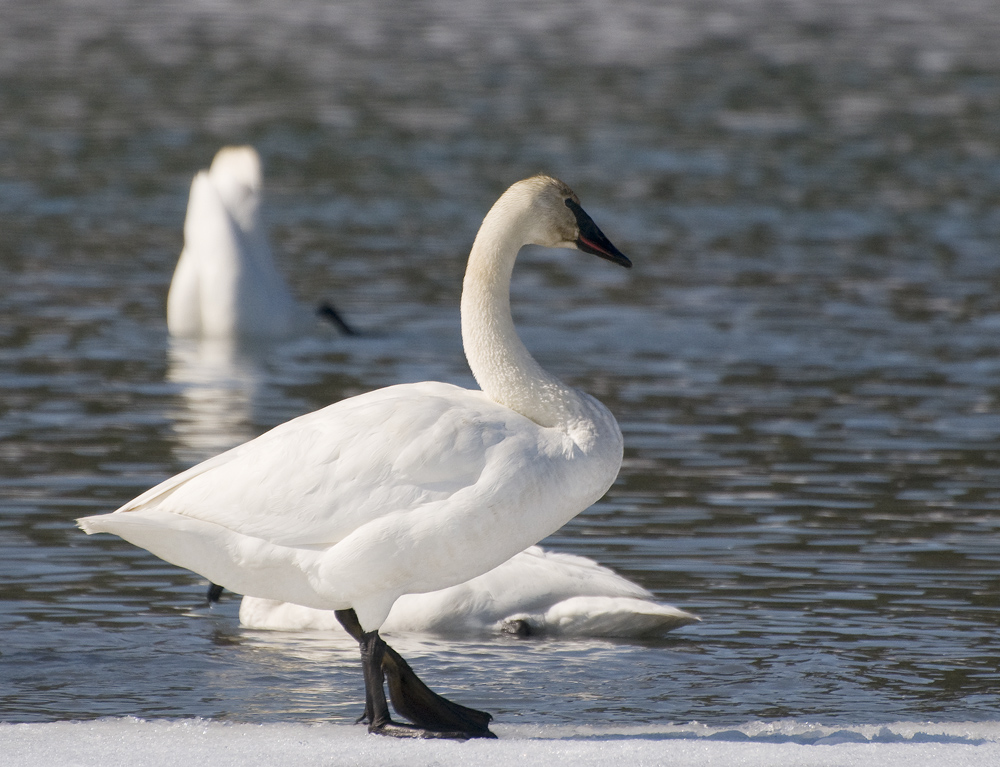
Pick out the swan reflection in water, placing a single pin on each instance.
(221, 385)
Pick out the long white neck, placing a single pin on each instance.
(503, 367)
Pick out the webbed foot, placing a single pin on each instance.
(433, 715)
(403, 730)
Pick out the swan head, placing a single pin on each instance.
(237, 177)
(555, 219)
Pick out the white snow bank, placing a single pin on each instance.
(137, 743)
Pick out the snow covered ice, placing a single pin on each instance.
(138, 743)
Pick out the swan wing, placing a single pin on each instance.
(314, 480)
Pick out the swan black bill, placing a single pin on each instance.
(331, 315)
(592, 239)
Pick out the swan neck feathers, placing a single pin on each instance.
(502, 366)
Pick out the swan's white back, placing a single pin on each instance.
(408, 489)
(226, 284)
(545, 592)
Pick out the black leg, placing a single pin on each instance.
(214, 592)
(332, 316)
(349, 620)
(433, 716)
(376, 707)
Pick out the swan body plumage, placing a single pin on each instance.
(225, 284)
(335, 508)
(536, 592)
(407, 489)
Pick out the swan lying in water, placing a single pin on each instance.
(408, 489)
(225, 284)
(535, 592)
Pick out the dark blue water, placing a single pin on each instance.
(804, 359)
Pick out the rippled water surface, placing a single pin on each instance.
(804, 360)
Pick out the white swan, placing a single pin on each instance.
(536, 592)
(225, 284)
(411, 488)
(554, 594)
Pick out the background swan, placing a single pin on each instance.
(411, 488)
(534, 592)
(225, 284)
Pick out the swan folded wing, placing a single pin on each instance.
(532, 581)
(313, 481)
(536, 578)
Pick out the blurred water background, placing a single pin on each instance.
(804, 359)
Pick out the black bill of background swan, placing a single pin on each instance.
(407, 489)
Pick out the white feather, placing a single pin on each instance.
(408, 489)
(539, 591)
